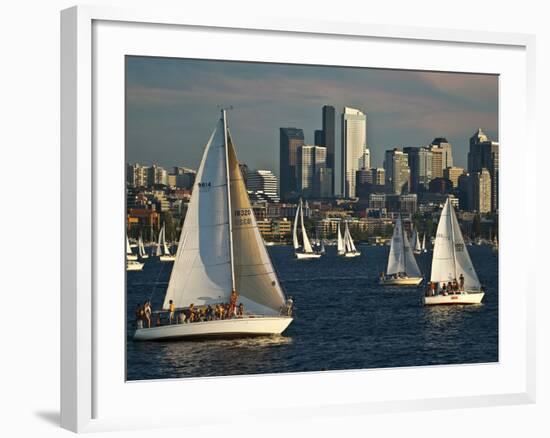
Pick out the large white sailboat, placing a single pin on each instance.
(220, 251)
(141, 249)
(349, 247)
(304, 251)
(163, 250)
(402, 269)
(451, 263)
(129, 254)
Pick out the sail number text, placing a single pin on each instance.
(243, 216)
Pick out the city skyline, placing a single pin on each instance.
(171, 104)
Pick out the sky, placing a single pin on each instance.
(172, 106)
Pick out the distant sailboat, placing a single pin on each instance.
(163, 251)
(133, 265)
(304, 251)
(349, 246)
(129, 254)
(450, 261)
(402, 269)
(340, 245)
(221, 250)
(415, 242)
(423, 246)
(141, 249)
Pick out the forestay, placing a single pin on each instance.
(450, 255)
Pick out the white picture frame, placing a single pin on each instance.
(86, 403)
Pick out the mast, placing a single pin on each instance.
(230, 215)
(449, 207)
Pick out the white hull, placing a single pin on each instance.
(307, 255)
(407, 281)
(226, 328)
(131, 257)
(134, 266)
(463, 298)
(145, 256)
(352, 254)
(167, 258)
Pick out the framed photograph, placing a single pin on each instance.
(315, 219)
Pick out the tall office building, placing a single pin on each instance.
(437, 162)
(378, 176)
(290, 140)
(137, 176)
(157, 175)
(480, 191)
(354, 143)
(312, 175)
(420, 164)
(446, 151)
(366, 159)
(329, 141)
(318, 137)
(397, 171)
(484, 153)
(265, 182)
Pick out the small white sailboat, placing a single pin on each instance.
(220, 251)
(402, 269)
(340, 245)
(451, 263)
(141, 249)
(305, 251)
(163, 251)
(134, 265)
(415, 242)
(349, 247)
(129, 254)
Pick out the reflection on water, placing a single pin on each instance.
(343, 320)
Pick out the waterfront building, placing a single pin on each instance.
(377, 201)
(354, 143)
(157, 175)
(263, 181)
(408, 203)
(484, 153)
(397, 171)
(291, 139)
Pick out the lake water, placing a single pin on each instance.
(343, 320)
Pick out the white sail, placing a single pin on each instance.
(396, 260)
(141, 248)
(307, 245)
(350, 246)
(423, 247)
(202, 272)
(255, 278)
(410, 266)
(450, 257)
(128, 249)
(159, 242)
(415, 241)
(401, 259)
(295, 228)
(340, 241)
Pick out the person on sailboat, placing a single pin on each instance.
(233, 303)
(147, 312)
(461, 279)
(172, 310)
(289, 304)
(240, 312)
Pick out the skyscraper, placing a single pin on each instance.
(290, 140)
(446, 151)
(480, 191)
(312, 171)
(265, 182)
(397, 171)
(452, 174)
(319, 138)
(437, 161)
(420, 164)
(484, 153)
(354, 143)
(329, 141)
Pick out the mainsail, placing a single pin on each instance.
(401, 259)
(218, 250)
(341, 249)
(141, 248)
(202, 270)
(307, 245)
(348, 241)
(295, 229)
(128, 248)
(159, 243)
(450, 257)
